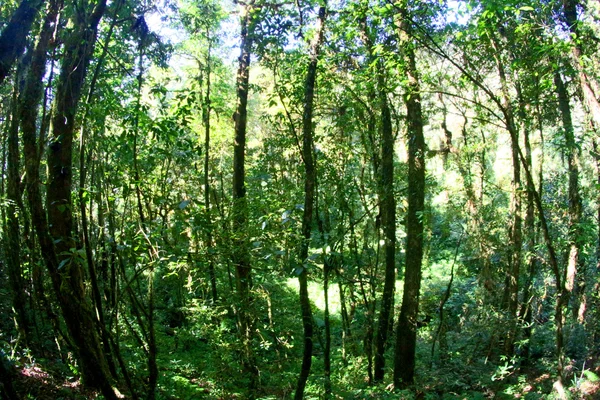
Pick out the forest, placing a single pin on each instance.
(308, 199)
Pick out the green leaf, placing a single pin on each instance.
(63, 263)
(592, 377)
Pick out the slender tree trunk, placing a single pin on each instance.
(406, 333)
(11, 228)
(441, 330)
(309, 199)
(152, 348)
(383, 166)
(14, 36)
(526, 312)
(516, 227)
(144, 218)
(327, 357)
(388, 223)
(575, 206)
(209, 238)
(561, 294)
(596, 288)
(91, 263)
(328, 265)
(241, 254)
(136, 128)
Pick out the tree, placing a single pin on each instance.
(55, 233)
(241, 256)
(309, 200)
(406, 331)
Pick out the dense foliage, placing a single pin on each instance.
(313, 199)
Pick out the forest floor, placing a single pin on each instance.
(48, 382)
(39, 382)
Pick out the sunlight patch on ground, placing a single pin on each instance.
(315, 293)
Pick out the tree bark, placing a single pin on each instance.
(241, 254)
(14, 36)
(388, 223)
(54, 234)
(11, 228)
(575, 204)
(406, 333)
(309, 200)
(526, 312)
(209, 237)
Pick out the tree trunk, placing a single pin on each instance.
(406, 333)
(54, 234)
(14, 36)
(526, 312)
(241, 254)
(209, 238)
(388, 223)
(516, 227)
(91, 263)
(327, 266)
(561, 296)
(575, 206)
(309, 199)
(383, 167)
(11, 228)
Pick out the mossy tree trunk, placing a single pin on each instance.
(406, 333)
(54, 233)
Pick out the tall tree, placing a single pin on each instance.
(516, 226)
(55, 234)
(388, 223)
(309, 201)
(12, 228)
(406, 332)
(241, 254)
(206, 116)
(573, 167)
